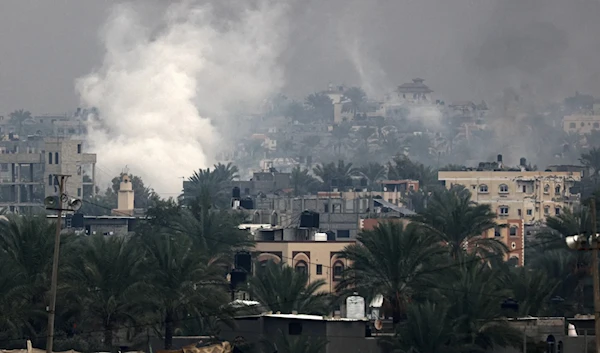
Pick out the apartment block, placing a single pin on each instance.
(519, 198)
(28, 170)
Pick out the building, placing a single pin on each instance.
(125, 198)
(341, 334)
(29, 168)
(318, 257)
(519, 197)
(585, 122)
(415, 92)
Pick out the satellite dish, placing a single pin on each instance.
(378, 325)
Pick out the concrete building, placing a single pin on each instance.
(125, 198)
(584, 123)
(341, 334)
(415, 92)
(29, 168)
(317, 258)
(518, 197)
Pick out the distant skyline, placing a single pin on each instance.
(465, 49)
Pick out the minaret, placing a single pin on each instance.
(124, 198)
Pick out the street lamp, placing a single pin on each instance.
(590, 243)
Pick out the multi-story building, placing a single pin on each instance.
(584, 122)
(29, 168)
(519, 198)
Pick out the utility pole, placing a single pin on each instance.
(57, 203)
(579, 242)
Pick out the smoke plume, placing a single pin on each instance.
(163, 88)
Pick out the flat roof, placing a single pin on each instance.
(301, 317)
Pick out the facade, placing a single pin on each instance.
(581, 124)
(415, 92)
(341, 335)
(519, 198)
(317, 258)
(29, 168)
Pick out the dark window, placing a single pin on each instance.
(319, 269)
(50, 180)
(529, 212)
(78, 192)
(557, 211)
(326, 208)
(247, 191)
(519, 213)
(343, 233)
(49, 157)
(497, 232)
(513, 231)
(524, 188)
(571, 125)
(338, 269)
(301, 267)
(295, 328)
(56, 158)
(78, 148)
(557, 190)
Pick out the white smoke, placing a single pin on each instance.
(160, 91)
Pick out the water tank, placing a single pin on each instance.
(235, 193)
(523, 161)
(320, 236)
(499, 160)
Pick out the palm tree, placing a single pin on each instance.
(213, 184)
(279, 287)
(295, 111)
(321, 106)
(357, 98)
(185, 284)
(460, 223)
(476, 292)
(392, 260)
(18, 117)
(340, 135)
(302, 181)
(104, 280)
(373, 172)
(428, 329)
(334, 175)
(591, 159)
(403, 168)
(14, 303)
(532, 289)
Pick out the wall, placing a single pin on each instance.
(314, 255)
(581, 124)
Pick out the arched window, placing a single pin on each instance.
(256, 218)
(557, 190)
(338, 269)
(301, 267)
(503, 188)
(546, 188)
(483, 188)
(513, 231)
(274, 218)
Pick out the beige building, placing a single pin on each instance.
(581, 124)
(318, 258)
(519, 198)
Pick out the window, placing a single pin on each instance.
(546, 209)
(557, 211)
(49, 157)
(301, 267)
(519, 213)
(343, 233)
(338, 269)
(503, 188)
(557, 190)
(326, 208)
(483, 188)
(79, 148)
(525, 188)
(529, 212)
(78, 170)
(319, 269)
(503, 210)
(50, 180)
(596, 125)
(513, 231)
(78, 192)
(571, 125)
(295, 328)
(546, 189)
(56, 158)
(497, 232)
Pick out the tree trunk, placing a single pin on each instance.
(169, 330)
(108, 338)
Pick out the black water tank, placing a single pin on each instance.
(363, 182)
(235, 193)
(247, 203)
(77, 220)
(237, 277)
(522, 162)
(499, 158)
(243, 261)
(309, 219)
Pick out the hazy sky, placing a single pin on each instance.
(465, 49)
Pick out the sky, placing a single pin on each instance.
(464, 49)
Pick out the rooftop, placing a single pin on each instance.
(417, 86)
(300, 317)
